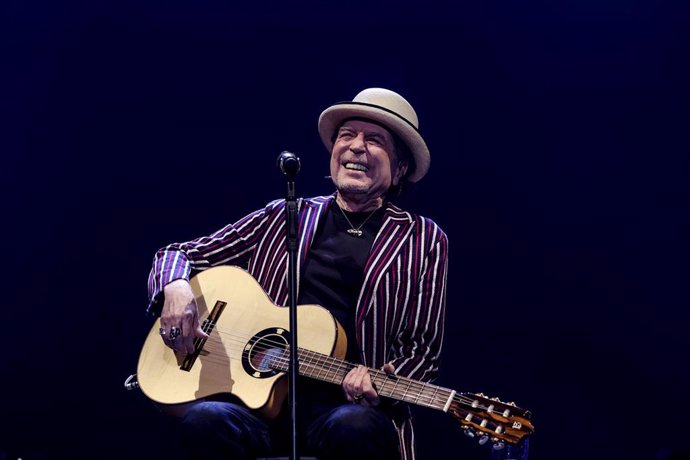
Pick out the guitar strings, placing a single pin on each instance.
(338, 365)
(335, 365)
(438, 399)
(465, 408)
(307, 363)
(216, 348)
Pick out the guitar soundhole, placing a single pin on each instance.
(265, 354)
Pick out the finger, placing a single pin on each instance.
(361, 390)
(174, 331)
(186, 339)
(352, 384)
(170, 343)
(198, 331)
(348, 384)
(370, 395)
(367, 386)
(187, 321)
(167, 321)
(358, 380)
(164, 331)
(188, 326)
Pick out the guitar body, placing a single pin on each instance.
(246, 331)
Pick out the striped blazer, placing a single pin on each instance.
(401, 305)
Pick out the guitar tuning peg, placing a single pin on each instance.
(496, 399)
(469, 432)
(483, 440)
(511, 403)
(498, 444)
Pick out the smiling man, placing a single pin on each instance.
(379, 270)
(364, 165)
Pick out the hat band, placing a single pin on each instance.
(366, 104)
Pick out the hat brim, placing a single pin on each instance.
(334, 116)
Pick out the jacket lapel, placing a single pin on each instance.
(309, 218)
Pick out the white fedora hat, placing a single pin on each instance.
(387, 108)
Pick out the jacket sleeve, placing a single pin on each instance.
(420, 341)
(231, 245)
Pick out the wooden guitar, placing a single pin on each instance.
(247, 355)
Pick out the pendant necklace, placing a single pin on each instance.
(356, 231)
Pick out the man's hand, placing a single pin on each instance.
(180, 317)
(359, 388)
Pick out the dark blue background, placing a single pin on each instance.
(559, 139)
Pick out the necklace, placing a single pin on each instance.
(352, 230)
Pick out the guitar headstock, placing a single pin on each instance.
(491, 418)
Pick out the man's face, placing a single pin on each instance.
(363, 160)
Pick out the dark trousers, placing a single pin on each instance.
(228, 431)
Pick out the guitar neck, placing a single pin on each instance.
(474, 411)
(332, 370)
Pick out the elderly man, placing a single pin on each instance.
(380, 271)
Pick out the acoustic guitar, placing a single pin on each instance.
(247, 355)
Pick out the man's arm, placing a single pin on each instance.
(170, 292)
(419, 346)
(233, 244)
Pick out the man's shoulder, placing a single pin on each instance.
(423, 223)
(319, 200)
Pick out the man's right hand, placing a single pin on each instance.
(179, 311)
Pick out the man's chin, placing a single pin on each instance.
(354, 189)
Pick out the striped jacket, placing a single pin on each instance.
(401, 306)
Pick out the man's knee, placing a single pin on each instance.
(362, 419)
(209, 417)
(213, 430)
(202, 416)
(360, 424)
(354, 431)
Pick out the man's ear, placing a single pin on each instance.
(402, 170)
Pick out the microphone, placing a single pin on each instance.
(288, 163)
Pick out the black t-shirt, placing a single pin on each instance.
(334, 268)
(332, 277)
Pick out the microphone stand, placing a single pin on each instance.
(289, 165)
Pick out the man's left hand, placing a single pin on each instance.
(358, 387)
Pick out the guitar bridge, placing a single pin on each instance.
(207, 326)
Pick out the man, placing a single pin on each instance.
(379, 270)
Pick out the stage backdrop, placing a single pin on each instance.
(559, 142)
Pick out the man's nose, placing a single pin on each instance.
(357, 145)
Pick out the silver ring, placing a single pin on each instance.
(161, 330)
(174, 332)
(357, 398)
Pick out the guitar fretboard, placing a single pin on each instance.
(333, 370)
